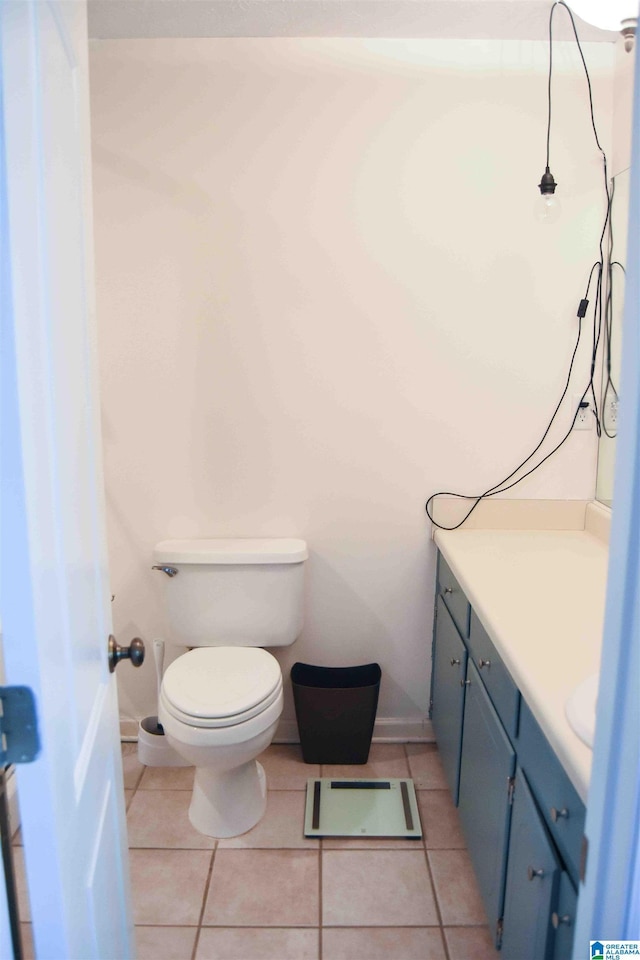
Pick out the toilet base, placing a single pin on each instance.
(226, 804)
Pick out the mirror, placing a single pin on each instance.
(611, 336)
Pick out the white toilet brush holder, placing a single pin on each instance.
(154, 750)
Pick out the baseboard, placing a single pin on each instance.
(129, 730)
(386, 730)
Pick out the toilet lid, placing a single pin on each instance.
(220, 686)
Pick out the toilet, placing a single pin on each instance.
(220, 702)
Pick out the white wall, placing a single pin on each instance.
(322, 296)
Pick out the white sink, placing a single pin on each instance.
(580, 709)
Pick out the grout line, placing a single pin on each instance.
(196, 941)
(134, 790)
(445, 946)
(204, 901)
(163, 789)
(142, 770)
(386, 926)
(133, 846)
(139, 780)
(433, 887)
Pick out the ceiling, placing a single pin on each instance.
(439, 19)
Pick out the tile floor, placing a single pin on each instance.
(273, 895)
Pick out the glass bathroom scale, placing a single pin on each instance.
(361, 808)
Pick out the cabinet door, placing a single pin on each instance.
(564, 918)
(448, 691)
(486, 767)
(532, 880)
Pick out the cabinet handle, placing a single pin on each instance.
(448, 589)
(556, 920)
(532, 873)
(484, 663)
(454, 661)
(465, 683)
(559, 814)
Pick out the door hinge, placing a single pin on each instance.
(19, 740)
(511, 789)
(584, 853)
(499, 930)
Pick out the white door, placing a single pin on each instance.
(54, 588)
(6, 946)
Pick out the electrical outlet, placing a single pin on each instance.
(584, 420)
(611, 413)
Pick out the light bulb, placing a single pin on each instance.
(547, 208)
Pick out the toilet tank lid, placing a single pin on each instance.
(268, 550)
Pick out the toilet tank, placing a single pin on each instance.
(245, 593)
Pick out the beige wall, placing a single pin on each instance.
(322, 295)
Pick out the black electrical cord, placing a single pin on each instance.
(499, 487)
(610, 387)
(600, 305)
(599, 312)
(599, 308)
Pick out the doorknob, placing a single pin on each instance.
(134, 652)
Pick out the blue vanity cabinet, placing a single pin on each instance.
(487, 767)
(523, 829)
(449, 668)
(533, 876)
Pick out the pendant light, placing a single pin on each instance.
(547, 208)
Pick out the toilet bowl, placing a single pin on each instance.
(220, 707)
(220, 702)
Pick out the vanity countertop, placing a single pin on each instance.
(540, 594)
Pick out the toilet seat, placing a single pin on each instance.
(221, 686)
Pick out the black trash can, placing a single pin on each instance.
(336, 711)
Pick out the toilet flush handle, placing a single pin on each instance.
(170, 571)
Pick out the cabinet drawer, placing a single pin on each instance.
(561, 807)
(504, 694)
(453, 595)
